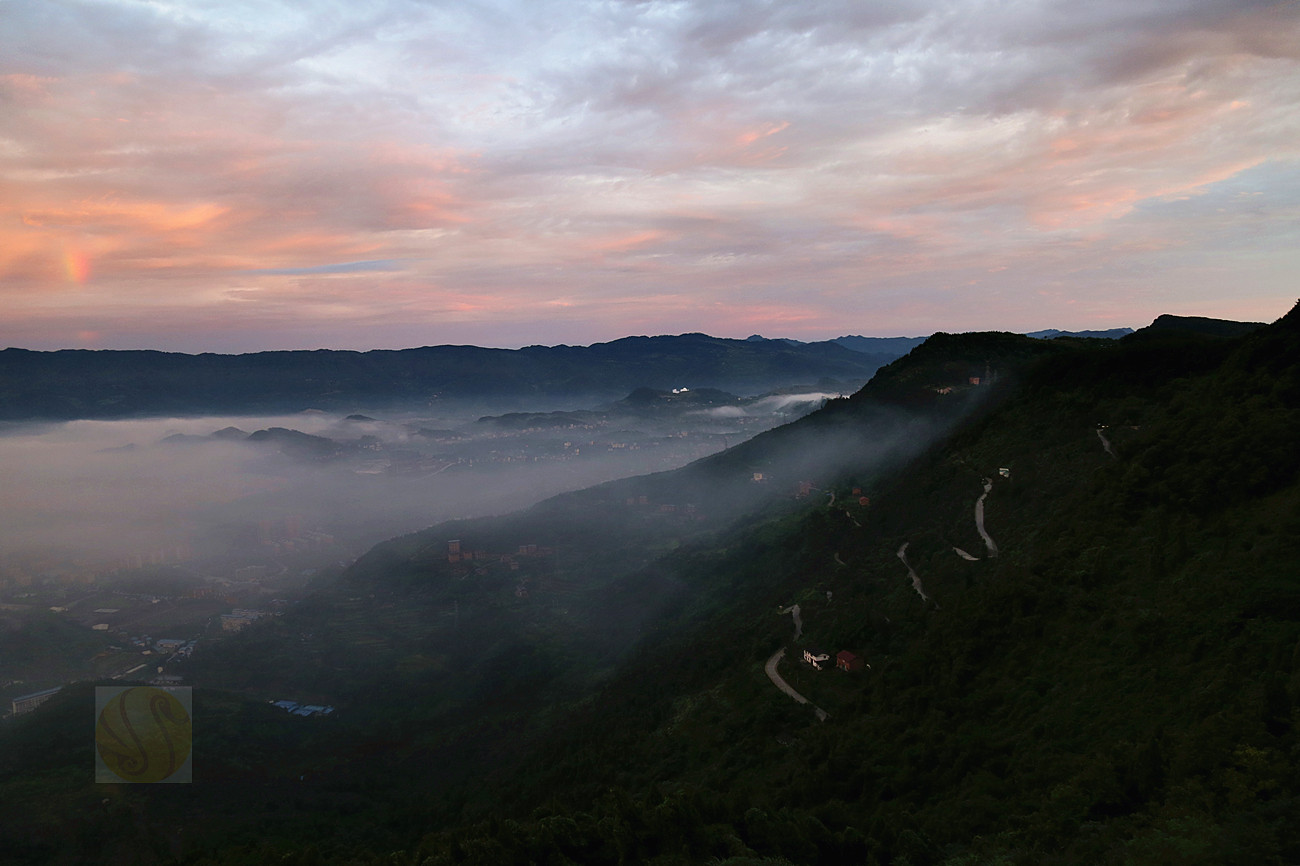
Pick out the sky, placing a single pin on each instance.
(243, 176)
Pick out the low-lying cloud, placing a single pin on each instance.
(87, 498)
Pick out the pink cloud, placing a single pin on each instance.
(745, 139)
(834, 160)
(24, 87)
(623, 243)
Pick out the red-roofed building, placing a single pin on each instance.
(847, 661)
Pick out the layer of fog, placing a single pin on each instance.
(88, 498)
(791, 405)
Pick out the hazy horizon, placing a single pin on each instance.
(516, 346)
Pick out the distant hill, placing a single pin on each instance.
(897, 346)
(1108, 334)
(115, 384)
(1202, 326)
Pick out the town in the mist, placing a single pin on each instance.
(156, 533)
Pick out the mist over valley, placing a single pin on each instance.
(210, 513)
(805, 625)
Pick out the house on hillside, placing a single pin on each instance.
(847, 661)
(816, 658)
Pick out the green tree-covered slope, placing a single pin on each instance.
(1118, 684)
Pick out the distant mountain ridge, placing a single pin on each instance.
(86, 383)
(1108, 334)
(903, 345)
(79, 383)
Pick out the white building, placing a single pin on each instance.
(27, 703)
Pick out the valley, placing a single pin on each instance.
(598, 678)
(234, 520)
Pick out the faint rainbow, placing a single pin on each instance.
(76, 264)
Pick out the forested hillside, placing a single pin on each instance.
(1116, 685)
(1073, 591)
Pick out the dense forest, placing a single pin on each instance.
(1067, 569)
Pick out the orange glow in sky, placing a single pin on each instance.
(392, 174)
(76, 264)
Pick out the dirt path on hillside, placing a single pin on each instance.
(916, 580)
(793, 610)
(770, 670)
(979, 519)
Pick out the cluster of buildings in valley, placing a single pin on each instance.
(265, 541)
(177, 646)
(157, 653)
(110, 609)
(542, 445)
(20, 572)
(140, 656)
(149, 670)
(643, 502)
(37, 569)
(456, 552)
(288, 535)
(240, 618)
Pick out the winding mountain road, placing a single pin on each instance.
(916, 580)
(979, 519)
(780, 683)
(793, 610)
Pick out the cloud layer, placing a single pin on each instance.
(238, 176)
